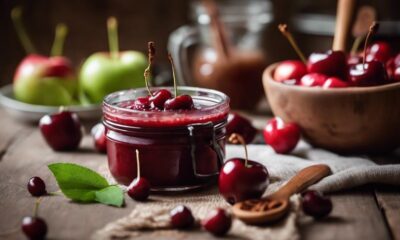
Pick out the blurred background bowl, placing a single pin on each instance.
(29, 113)
(346, 120)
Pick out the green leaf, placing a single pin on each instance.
(112, 195)
(76, 182)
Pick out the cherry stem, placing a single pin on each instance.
(238, 139)
(21, 31)
(137, 164)
(173, 73)
(372, 29)
(36, 207)
(112, 28)
(285, 31)
(151, 51)
(356, 44)
(59, 39)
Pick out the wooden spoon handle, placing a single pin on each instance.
(302, 180)
(343, 18)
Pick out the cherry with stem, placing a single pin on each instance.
(372, 29)
(283, 28)
(151, 51)
(173, 74)
(139, 189)
(235, 138)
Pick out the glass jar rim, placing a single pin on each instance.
(218, 105)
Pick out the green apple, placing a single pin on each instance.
(103, 73)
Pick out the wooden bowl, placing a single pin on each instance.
(344, 120)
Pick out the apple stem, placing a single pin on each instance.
(137, 164)
(173, 73)
(285, 31)
(112, 28)
(372, 29)
(356, 44)
(236, 139)
(21, 31)
(36, 207)
(151, 51)
(59, 39)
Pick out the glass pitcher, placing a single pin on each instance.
(228, 57)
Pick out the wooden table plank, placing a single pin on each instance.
(355, 215)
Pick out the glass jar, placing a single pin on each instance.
(179, 150)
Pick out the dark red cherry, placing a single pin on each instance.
(241, 179)
(241, 125)
(181, 217)
(316, 205)
(369, 74)
(159, 97)
(36, 187)
(393, 69)
(34, 227)
(313, 80)
(141, 103)
(290, 70)
(354, 59)
(331, 63)
(397, 60)
(218, 222)
(181, 102)
(98, 133)
(334, 82)
(396, 75)
(379, 51)
(139, 189)
(282, 137)
(62, 131)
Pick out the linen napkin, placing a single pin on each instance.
(151, 218)
(347, 171)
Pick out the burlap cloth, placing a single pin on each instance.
(347, 172)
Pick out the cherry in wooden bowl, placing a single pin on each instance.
(344, 120)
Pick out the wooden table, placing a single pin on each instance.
(369, 212)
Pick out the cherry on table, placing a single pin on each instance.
(218, 222)
(313, 80)
(98, 133)
(139, 189)
(315, 204)
(290, 69)
(241, 179)
(62, 130)
(282, 137)
(241, 125)
(181, 217)
(36, 187)
(34, 227)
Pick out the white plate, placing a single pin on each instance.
(26, 112)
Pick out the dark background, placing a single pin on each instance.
(139, 22)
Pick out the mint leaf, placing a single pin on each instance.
(112, 195)
(76, 182)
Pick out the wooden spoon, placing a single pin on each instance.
(275, 206)
(344, 14)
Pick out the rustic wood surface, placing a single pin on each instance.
(370, 212)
